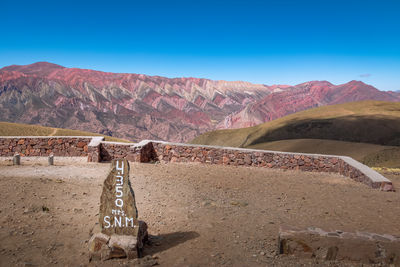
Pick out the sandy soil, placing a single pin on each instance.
(198, 215)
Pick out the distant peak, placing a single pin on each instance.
(38, 68)
(320, 83)
(354, 82)
(45, 64)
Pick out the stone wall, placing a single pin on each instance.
(97, 150)
(114, 150)
(130, 151)
(44, 146)
(94, 149)
(170, 152)
(363, 247)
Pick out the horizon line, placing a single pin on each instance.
(191, 77)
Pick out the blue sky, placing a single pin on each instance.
(269, 42)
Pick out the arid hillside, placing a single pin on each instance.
(20, 129)
(137, 106)
(357, 129)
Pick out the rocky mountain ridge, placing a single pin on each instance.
(138, 106)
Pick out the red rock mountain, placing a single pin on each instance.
(137, 106)
(301, 97)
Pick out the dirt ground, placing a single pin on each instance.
(198, 215)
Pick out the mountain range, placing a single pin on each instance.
(138, 106)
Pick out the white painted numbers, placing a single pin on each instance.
(120, 218)
(120, 181)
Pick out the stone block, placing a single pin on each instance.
(104, 247)
(97, 241)
(17, 159)
(247, 159)
(123, 246)
(338, 245)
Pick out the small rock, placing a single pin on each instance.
(123, 246)
(97, 241)
(77, 210)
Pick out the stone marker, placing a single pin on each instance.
(51, 159)
(122, 234)
(17, 159)
(118, 213)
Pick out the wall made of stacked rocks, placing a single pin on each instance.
(216, 155)
(150, 151)
(44, 146)
(130, 151)
(170, 152)
(112, 150)
(97, 150)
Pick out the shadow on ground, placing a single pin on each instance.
(163, 242)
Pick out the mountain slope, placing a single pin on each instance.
(302, 97)
(374, 122)
(137, 106)
(132, 106)
(370, 154)
(19, 129)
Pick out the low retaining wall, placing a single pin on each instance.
(114, 150)
(76, 146)
(98, 150)
(346, 166)
(148, 151)
(338, 245)
(133, 152)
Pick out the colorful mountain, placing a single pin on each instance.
(137, 106)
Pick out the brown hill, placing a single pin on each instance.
(358, 129)
(19, 129)
(374, 122)
(369, 154)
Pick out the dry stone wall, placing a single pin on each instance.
(94, 149)
(98, 150)
(130, 151)
(44, 146)
(113, 150)
(170, 152)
